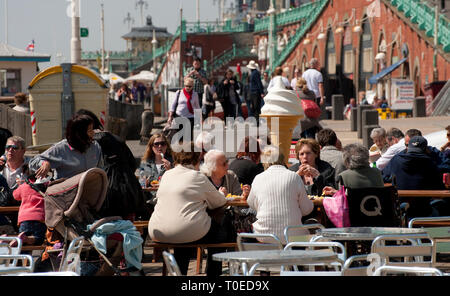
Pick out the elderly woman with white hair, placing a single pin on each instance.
(278, 196)
(215, 167)
(358, 174)
(380, 145)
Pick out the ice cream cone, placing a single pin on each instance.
(284, 104)
(282, 136)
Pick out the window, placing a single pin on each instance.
(367, 60)
(10, 82)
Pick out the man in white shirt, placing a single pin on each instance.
(15, 169)
(314, 80)
(396, 143)
(297, 75)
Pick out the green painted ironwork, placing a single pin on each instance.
(299, 33)
(216, 27)
(228, 55)
(423, 15)
(289, 16)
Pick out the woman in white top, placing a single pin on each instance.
(185, 196)
(278, 196)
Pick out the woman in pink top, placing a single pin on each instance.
(31, 217)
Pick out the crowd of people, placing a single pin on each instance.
(191, 185)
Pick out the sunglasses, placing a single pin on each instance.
(14, 147)
(189, 86)
(162, 144)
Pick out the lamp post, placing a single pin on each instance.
(272, 34)
(436, 19)
(102, 23)
(75, 42)
(6, 21)
(154, 43)
(141, 4)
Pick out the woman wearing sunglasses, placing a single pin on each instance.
(187, 100)
(156, 161)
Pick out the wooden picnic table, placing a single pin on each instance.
(424, 193)
(243, 202)
(11, 209)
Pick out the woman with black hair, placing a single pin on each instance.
(75, 154)
(124, 196)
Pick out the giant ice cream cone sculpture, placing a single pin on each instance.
(283, 104)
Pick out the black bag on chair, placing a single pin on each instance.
(375, 207)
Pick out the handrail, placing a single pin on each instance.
(289, 16)
(423, 15)
(300, 32)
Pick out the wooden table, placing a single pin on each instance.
(243, 203)
(12, 209)
(424, 193)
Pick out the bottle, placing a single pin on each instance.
(374, 164)
(142, 178)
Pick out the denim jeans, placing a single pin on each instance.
(34, 228)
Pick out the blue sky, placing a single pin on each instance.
(47, 23)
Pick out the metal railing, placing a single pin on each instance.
(228, 55)
(216, 27)
(290, 16)
(423, 15)
(300, 32)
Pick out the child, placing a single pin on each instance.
(32, 228)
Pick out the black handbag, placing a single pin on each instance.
(6, 197)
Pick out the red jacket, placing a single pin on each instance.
(32, 204)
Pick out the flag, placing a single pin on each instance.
(30, 46)
(374, 9)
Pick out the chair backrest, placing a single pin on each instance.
(272, 242)
(333, 247)
(404, 250)
(9, 268)
(376, 206)
(171, 264)
(438, 228)
(411, 270)
(359, 269)
(310, 228)
(7, 249)
(72, 260)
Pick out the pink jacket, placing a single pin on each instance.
(32, 205)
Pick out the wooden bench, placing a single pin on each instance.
(200, 248)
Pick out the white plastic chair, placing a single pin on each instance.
(407, 270)
(171, 264)
(334, 247)
(359, 270)
(404, 250)
(310, 228)
(273, 242)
